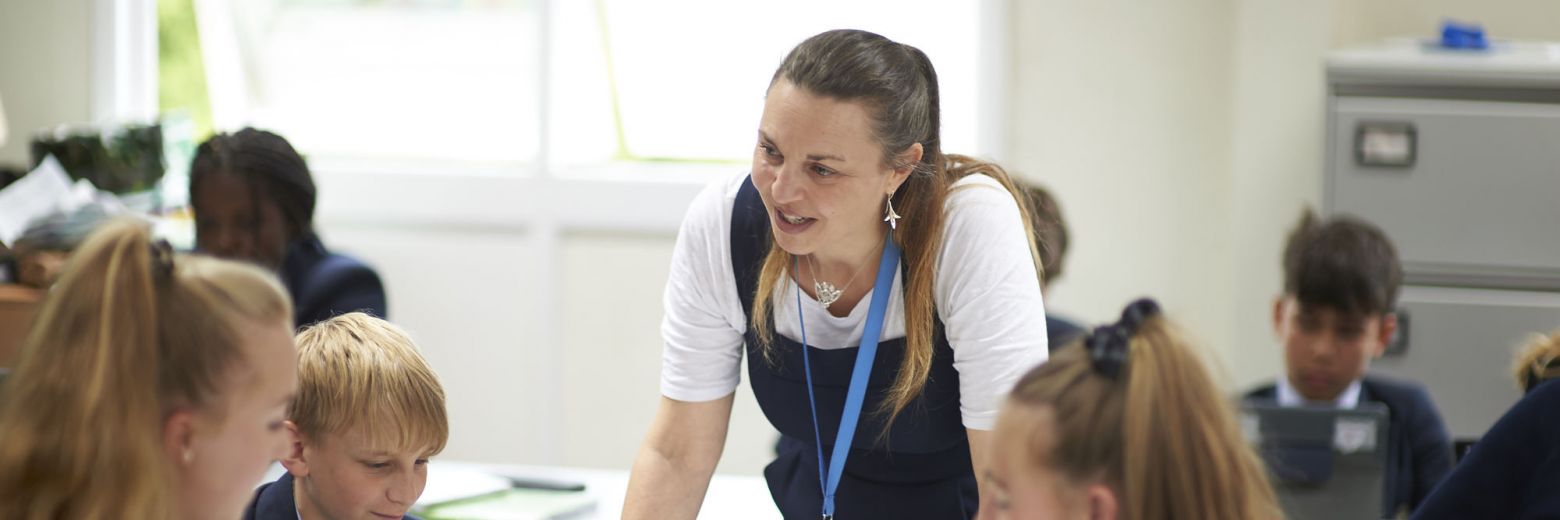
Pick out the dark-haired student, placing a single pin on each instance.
(254, 200)
(1514, 470)
(1341, 279)
(1051, 237)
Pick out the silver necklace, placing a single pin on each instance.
(827, 293)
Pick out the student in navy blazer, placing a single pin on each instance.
(254, 200)
(324, 284)
(368, 414)
(1341, 279)
(1050, 231)
(274, 501)
(1514, 470)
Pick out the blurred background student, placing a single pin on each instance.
(1051, 237)
(152, 385)
(1514, 470)
(1337, 313)
(254, 200)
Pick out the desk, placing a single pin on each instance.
(729, 496)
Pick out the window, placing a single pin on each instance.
(558, 86)
(393, 80)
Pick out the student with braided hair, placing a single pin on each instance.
(254, 200)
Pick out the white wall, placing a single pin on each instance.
(612, 336)
(1276, 161)
(1121, 108)
(44, 68)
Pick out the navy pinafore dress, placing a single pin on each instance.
(921, 470)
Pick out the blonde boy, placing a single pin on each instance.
(368, 414)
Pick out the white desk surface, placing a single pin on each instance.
(729, 496)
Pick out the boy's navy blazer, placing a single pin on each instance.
(274, 501)
(1419, 450)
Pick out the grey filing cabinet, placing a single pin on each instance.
(1456, 155)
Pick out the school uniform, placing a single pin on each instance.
(274, 501)
(324, 284)
(1419, 449)
(986, 337)
(1512, 472)
(1060, 332)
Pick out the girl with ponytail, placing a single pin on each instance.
(152, 385)
(885, 293)
(1125, 424)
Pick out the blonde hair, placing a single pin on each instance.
(358, 371)
(131, 333)
(1538, 361)
(1160, 435)
(898, 85)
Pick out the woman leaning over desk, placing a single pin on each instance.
(852, 227)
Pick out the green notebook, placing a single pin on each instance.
(514, 504)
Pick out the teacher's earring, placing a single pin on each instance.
(892, 218)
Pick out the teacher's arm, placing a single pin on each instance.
(978, 450)
(988, 296)
(674, 465)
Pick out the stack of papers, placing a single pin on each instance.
(456, 491)
(451, 482)
(43, 192)
(515, 504)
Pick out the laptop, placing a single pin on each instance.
(1325, 463)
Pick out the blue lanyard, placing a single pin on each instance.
(829, 476)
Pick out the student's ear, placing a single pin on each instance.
(179, 437)
(1388, 328)
(1278, 314)
(295, 462)
(1102, 503)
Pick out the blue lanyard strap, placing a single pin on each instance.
(829, 476)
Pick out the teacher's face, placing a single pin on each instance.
(821, 172)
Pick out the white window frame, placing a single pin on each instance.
(124, 60)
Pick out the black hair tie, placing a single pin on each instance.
(1108, 344)
(162, 260)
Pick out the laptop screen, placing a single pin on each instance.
(1324, 462)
